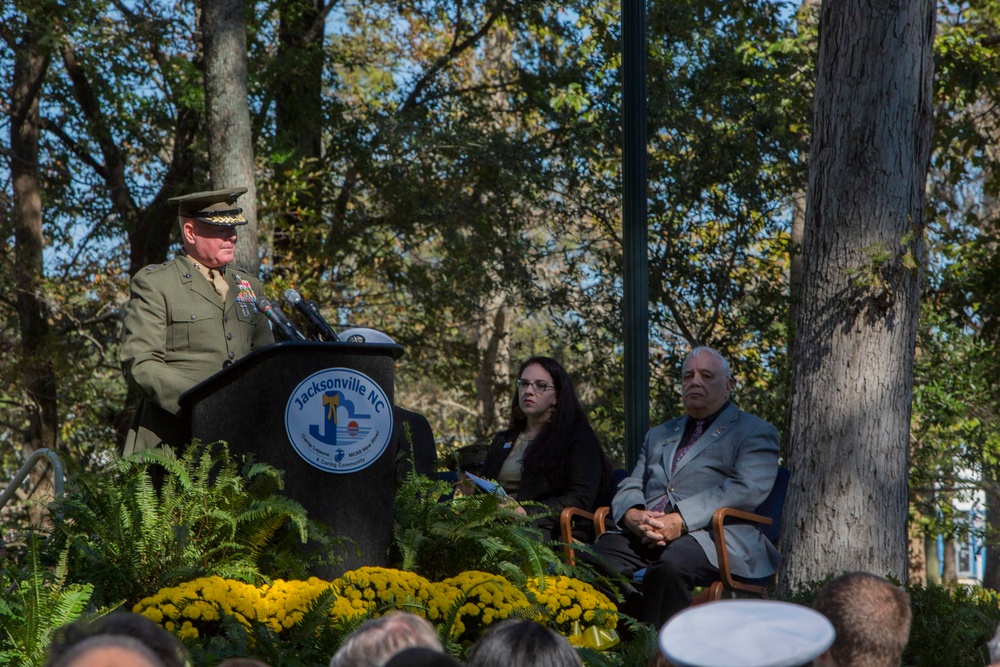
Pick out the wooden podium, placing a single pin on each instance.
(322, 413)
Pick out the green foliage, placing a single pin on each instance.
(462, 191)
(153, 519)
(35, 602)
(951, 621)
(728, 100)
(439, 536)
(955, 434)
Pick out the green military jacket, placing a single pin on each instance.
(177, 332)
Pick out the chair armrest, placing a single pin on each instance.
(718, 530)
(566, 526)
(566, 521)
(600, 518)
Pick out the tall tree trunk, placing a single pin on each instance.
(988, 212)
(30, 66)
(853, 357)
(991, 573)
(949, 569)
(493, 363)
(493, 327)
(230, 140)
(918, 558)
(933, 565)
(299, 101)
(806, 17)
(298, 80)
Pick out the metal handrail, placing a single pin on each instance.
(57, 468)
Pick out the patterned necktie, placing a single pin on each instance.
(699, 429)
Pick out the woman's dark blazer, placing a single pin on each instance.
(585, 473)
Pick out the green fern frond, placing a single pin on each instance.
(44, 603)
(439, 536)
(132, 536)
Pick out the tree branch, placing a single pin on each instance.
(115, 167)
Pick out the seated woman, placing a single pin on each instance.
(549, 454)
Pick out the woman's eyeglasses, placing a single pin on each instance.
(541, 386)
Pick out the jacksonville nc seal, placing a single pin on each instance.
(339, 420)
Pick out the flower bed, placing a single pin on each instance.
(462, 607)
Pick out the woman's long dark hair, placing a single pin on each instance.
(548, 451)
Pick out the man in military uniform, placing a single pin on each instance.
(189, 317)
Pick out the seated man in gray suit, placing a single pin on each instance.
(714, 456)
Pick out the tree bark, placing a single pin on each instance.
(298, 82)
(30, 65)
(493, 364)
(933, 565)
(991, 573)
(230, 140)
(299, 85)
(492, 332)
(949, 567)
(856, 330)
(806, 18)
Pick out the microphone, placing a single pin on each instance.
(282, 326)
(310, 311)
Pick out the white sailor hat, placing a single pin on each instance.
(745, 633)
(363, 335)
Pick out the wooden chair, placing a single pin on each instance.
(767, 515)
(598, 517)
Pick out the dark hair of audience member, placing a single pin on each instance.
(378, 639)
(524, 644)
(420, 656)
(242, 662)
(871, 617)
(167, 648)
(657, 659)
(111, 650)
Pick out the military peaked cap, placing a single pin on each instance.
(214, 208)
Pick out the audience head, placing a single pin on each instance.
(524, 644)
(657, 659)
(871, 616)
(564, 407)
(557, 407)
(418, 656)
(242, 662)
(163, 646)
(705, 382)
(378, 639)
(107, 651)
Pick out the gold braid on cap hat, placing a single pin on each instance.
(227, 215)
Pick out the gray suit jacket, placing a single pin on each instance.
(733, 464)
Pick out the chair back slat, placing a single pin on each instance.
(772, 506)
(611, 487)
